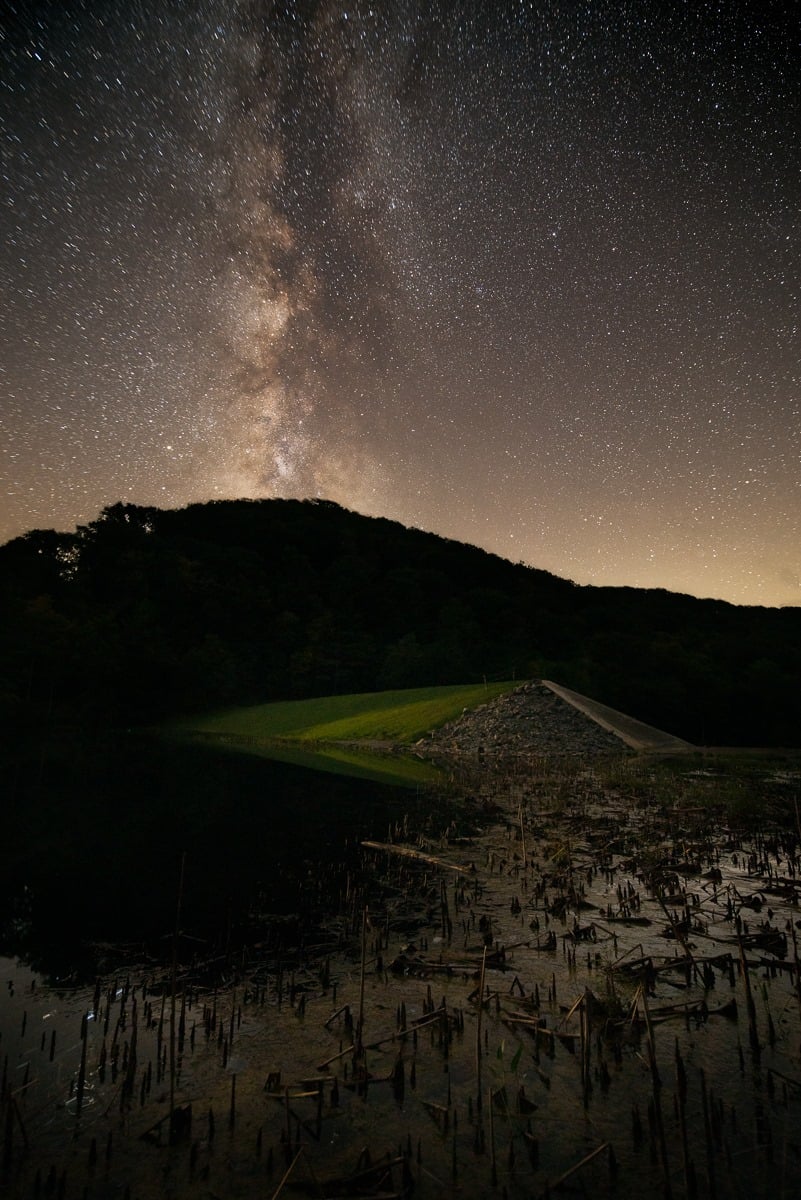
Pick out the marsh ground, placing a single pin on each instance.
(594, 899)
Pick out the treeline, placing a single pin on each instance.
(146, 613)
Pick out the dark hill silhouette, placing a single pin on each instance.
(146, 613)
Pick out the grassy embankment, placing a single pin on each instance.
(321, 732)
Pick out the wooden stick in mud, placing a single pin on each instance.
(407, 852)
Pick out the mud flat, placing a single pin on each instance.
(580, 988)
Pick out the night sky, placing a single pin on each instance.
(523, 274)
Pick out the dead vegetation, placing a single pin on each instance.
(585, 986)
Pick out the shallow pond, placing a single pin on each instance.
(586, 918)
(91, 855)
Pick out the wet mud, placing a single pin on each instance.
(575, 989)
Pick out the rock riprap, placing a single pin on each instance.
(532, 719)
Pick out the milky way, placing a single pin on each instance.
(526, 275)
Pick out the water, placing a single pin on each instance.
(90, 863)
(585, 847)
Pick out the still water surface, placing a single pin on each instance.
(93, 852)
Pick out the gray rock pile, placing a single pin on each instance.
(531, 720)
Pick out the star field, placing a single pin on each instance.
(524, 274)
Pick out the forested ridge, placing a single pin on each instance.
(147, 613)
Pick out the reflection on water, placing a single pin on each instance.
(331, 758)
(549, 1075)
(95, 839)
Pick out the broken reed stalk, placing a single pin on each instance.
(753, 1033)
(360, 1025)
(657, 1082)
(478, 1027)
(710, 1146)
(523, 836)
(407, 852)
(586, 1046)
(340, 1054)
(493, 1160)
(81, 1074)
(577, 1166)
(657, 1085)
(286, 1174)
(677, 932)
(10, 1099)
(797, 963)
(681, 1096)
(173, 984)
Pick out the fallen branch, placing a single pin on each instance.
(407, 852)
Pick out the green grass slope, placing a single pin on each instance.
(400, 717)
